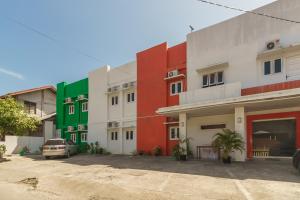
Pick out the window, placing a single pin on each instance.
(212, 79)
(129, 135)
(114, 100)
(71, 109)
(30, 107)
(83, 137)
(273, 66)
(130, 97)
(114, 135)
(85, 107)
(205, 81)
(213, 126)
(174, 133)
(176, 88)
(73, 137)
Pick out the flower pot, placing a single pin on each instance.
(183, 157)
(226, 160)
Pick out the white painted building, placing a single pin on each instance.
(112, 108)
(245, 68)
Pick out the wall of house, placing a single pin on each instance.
(201, 137)
(102, 111)
(45, 101)
(238, 41)
(154, 92)
(64, 119)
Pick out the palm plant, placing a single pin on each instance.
(228, 141)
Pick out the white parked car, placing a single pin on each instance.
(59, 147)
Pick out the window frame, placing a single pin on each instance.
(130, 97)
(85, 107)
(115, 100)
(216, 81)
(71, 109)
(129, 135)
(177, 92)
(85, 137)
(272, 66)
(28, 105)
(177, 133)
(114, 135)
(73, 139)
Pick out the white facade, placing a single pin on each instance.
(238, 49)
(112, 108)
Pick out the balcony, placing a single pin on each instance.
(211, 93)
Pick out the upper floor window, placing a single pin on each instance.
(130, 97)
(212, 79)
(30, 107)
(272, 66)
(129, 135)
(114, 135)
(84, 107)
(71, 109)
(174, 133)
(176, 88)
(114, 100)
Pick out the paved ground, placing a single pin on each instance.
(145, 178)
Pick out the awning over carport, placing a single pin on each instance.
(258, 102)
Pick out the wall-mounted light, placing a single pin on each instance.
(239, 120)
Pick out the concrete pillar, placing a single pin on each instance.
(240, 127)
(182, 128)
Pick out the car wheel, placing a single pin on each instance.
(47, 157)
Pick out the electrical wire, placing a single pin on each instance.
(247, 11)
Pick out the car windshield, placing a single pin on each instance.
(55, 142)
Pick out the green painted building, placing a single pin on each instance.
(72, 111)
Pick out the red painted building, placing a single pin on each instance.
(161, 75)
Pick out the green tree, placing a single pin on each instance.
(14, 120)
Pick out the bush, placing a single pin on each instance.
(157, 151)
(177, 151)
(2, 150)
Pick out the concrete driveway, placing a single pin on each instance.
(142, 178)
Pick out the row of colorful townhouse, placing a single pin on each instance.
(242, 74)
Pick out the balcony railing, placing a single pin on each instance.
(211, 93)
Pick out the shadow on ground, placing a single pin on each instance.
(271, 170)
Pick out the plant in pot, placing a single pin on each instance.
(2, 150)
(227, 141)
(157, 151)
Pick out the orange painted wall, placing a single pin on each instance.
(154, 92)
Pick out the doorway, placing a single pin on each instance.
(274, 138)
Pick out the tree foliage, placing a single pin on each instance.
(14, 120)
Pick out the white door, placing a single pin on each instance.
(114, 139)
(129, 141)
(293, 68)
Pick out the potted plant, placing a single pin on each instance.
(157, 151)
(2, 150)
(227, 141)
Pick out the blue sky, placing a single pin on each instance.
(110, 30)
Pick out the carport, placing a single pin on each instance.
(238, 113)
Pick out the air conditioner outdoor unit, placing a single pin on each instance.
(116, 88)
(172, 73)
(68, 100)
(81, 127)
(116, 124)
(110, 125)
(274, 44)
(132, 84)
(109, 90)
(81, 97)
(125, 85)
(70, 128)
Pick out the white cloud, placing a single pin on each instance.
(11, 73)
